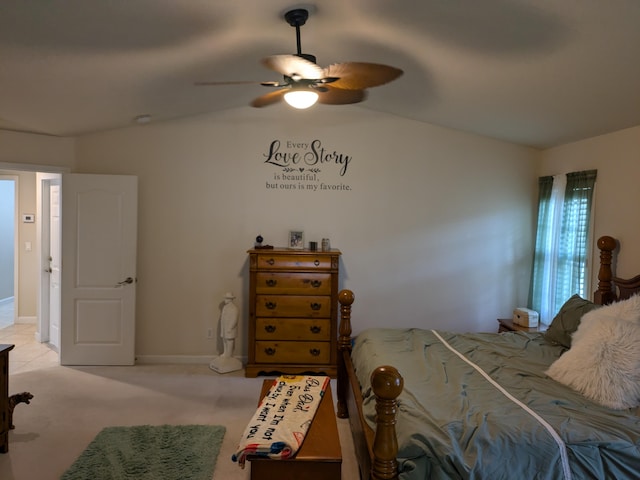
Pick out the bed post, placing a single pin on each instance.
(386, 383)
(346, 298)
(605, 294)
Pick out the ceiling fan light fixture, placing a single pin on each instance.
(301, 99)
(303, 80)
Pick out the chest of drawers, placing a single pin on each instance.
(293, 310)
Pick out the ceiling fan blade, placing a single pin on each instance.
(269, 98)
(339, 96)
(360, 75)
(293, 65)
(241, 82)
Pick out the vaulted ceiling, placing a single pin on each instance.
(533, 72)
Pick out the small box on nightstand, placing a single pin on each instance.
(525, 317)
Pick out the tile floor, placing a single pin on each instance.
(28, 354)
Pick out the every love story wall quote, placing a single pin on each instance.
(308, 166)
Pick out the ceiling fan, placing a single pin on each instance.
(305, 83)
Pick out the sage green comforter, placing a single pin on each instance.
(454, 423)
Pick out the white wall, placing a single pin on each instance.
(32, 149)
(423, 242)
(616, 156)
(28, 270)
(436, 230)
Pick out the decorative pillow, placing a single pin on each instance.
(628, 310)
(567, 320)
(604, 361)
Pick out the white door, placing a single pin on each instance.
(99, 222)
(54, 263)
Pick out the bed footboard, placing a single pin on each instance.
(345, 298)
(386, 383)
(376, 450)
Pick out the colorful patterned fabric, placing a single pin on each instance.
(282, 419)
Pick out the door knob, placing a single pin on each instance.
(126, 281)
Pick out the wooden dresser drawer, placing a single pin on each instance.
(292, 283)
(293, 306)
(281, 261)
(293, 352)
(293, 329)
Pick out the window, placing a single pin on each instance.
(560, 266)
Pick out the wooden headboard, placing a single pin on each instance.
(611, 288)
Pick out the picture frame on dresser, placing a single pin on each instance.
(296, 239)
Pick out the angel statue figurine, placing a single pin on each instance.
(226, 362)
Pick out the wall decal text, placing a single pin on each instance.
(306, 166)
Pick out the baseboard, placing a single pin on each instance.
(6, 300)
(175, 359)
(31, 320)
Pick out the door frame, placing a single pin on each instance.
(16, 168)
(43, 212)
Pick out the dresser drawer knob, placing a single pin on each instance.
(271, 261)
(314, 351)
(270, 328)
(315, 329)
(316, 283)
(271, 282)
(316, 262)
(316, 306)
(270, 305)
(270, 351)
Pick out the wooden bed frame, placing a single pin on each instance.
(377, 450)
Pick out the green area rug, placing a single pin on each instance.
(164, 452)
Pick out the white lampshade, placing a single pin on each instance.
(301, 98)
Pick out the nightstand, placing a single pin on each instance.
(507, 325)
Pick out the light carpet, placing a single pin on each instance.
(150, 452)
(71, 405)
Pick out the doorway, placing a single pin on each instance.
(8, 249)
(29, 314)
(49, 238)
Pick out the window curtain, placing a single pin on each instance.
(562, 241)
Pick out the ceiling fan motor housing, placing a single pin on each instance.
(307, 56)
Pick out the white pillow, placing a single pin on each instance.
(628, 310)
(603, 362)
